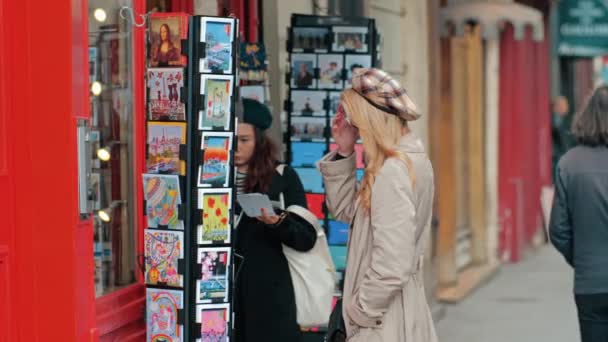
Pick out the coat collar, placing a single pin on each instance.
(411, 143)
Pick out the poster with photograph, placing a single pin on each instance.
(215, 267)
(161, 315)
(218, 93)
(215, 322)
(215, 168)
(164, 102)
(303, 70)
(310, 38)
(354, 62)
(334, 101)
(308, 102)
(308, 128)
(307, 154)
(164, 139)
(331, 67)
(347, 38)
(216, 206)
(217, 33)
(162, 195)
(254, 92)
(162, 251)
(311, 179)
(166, 33)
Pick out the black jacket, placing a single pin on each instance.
(579, 218)
(265, 302)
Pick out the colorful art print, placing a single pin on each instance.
(215, 322)
(331, 67)
(164, 102)
(315, 204)
(303, 70)
(310, 38)
(347, 38)
(161, 315)
(215, 168)
(311, 180)
(308, 128)
(162, 251)
(217, 33)
(360, 154)
(252, 57)
(216, 205)
(308, 102)
(164, 140)
(162, 195)
(165, 34)
(334, 101)
(307, 153)
(338, 233)
(218, 97)
(354, 62)
(254, 92)
(213, 285)
(92, 64)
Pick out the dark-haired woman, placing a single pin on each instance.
(265, 299)
(579, 219)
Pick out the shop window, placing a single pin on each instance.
(113, 176)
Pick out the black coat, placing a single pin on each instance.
(265, 308)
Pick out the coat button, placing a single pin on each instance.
(378, 322)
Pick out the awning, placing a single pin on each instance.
(492, 16)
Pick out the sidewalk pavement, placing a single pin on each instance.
(530, 301)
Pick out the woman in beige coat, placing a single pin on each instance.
(389, 211)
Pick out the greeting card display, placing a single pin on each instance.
(310, 38)
(331, 67)
(217, 33)
(303, 70)
(166, 33)
(215, 168)
(350, 39)
(164, 102)
(308, 102)
(217, 91)
(162, 251)
(213, 284)
(214, 320)
(308, 128)
(164, 140)
(216, 206)
(162, 195)
(162, 308)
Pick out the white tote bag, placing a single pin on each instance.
(312, 273)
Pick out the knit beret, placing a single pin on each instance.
(384, 92)
(256, 114)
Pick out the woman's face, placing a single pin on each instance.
(246, 144)
(163, 33)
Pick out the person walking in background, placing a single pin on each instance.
(560, 129)
(579, 219)
(383, 297)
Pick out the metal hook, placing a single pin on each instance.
(132, 16)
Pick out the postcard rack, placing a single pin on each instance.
(323, 52)
(188, 184)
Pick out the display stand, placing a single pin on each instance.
(323, 52)
(189, 184)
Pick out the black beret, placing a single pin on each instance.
(256, 114)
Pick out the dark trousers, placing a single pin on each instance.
(593, 317)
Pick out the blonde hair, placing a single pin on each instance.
(380, 133)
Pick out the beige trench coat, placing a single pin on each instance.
(384, 297)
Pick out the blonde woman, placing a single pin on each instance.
(383, 298)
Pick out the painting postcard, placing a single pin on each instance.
(310, 38)
(164, 140)
(303, 70)
(162, 308)
(217, 90)
(216, 206)
(162, 251)
(215, 168)
(215, 322)
(164, 97)
(347, 38)
(305, 128)
(331, 67)
(213, 285)
(308, 102)
(163, 197)
(354, 62)
(217, 33)
(166, 32)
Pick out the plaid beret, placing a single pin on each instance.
(384, 92)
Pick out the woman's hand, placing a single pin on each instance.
(344, 133)
(268, 219)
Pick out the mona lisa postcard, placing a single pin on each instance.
(217, 91)
(166, 32)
